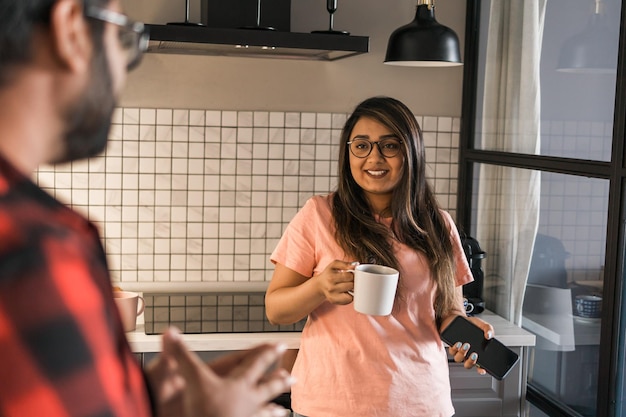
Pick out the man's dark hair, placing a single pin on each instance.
(18, 20)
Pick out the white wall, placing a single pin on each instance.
(202, 197)
(202, 82)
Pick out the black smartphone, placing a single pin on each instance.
(493, 356)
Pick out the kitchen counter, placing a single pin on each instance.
(140, 342)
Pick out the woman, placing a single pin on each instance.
(383, 212)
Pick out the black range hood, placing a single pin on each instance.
(200, 40)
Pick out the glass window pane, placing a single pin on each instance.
(535, 412)
(544, 237)
(547, 76)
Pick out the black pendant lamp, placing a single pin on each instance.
(592, 51)
(424, 42)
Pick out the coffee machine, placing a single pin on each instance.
(473, 292)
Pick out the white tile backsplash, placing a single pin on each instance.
(204, 195)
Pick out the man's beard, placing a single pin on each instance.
(88, 121)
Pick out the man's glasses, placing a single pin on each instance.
(133, 35)
(361, 148)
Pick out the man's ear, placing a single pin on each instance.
(70, 35)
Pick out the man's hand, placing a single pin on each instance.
(235, 385)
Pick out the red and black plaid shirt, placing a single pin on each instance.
(63, 351)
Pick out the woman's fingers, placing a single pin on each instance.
(459, 351)
(487, 328)
(462, 353)
(471, 361)
(338, 279)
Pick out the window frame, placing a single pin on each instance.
(609, 381)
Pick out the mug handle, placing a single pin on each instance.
(351, 292)
(143, 305)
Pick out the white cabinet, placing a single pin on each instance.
(475, 395)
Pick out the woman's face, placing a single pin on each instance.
(376, 174)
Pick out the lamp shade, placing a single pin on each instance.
(423, 42)
(594, 50)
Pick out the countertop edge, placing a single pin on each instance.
(141, 342)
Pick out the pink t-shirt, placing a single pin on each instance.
(351, 364)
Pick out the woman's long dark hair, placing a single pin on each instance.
(416, 218)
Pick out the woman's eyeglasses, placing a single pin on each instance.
(133, 35)
(361, 148)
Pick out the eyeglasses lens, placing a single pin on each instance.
(133, 35)
(134, 40)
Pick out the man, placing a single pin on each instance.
(63, 351)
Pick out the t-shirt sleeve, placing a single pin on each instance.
(463, 271)
(296, 247)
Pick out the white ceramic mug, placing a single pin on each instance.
(374, 289)
(130, 305)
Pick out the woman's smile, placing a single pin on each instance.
(379, 173)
